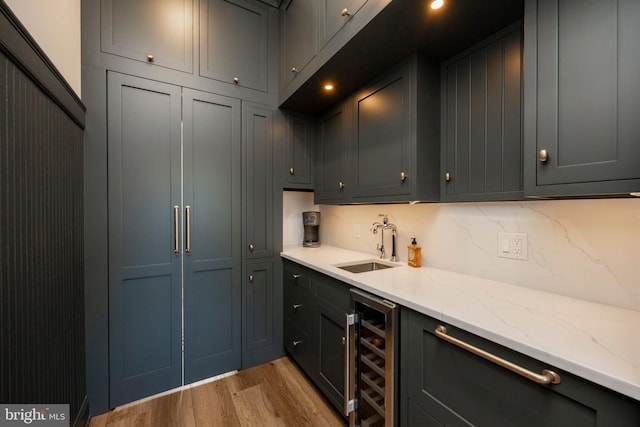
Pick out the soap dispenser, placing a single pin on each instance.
(415, 254)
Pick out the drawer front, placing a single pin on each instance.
(450, 383)
(335, 292)
(296, 276)
(297, 308)
(299, 346)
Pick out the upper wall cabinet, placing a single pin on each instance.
(299, 33)
(299, 143)
(154, 31)
(582, 97)
(396, 136)
(334, 14)
(332, 156)
(481, 121)
(234, 42)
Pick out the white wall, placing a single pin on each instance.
(55, 26)
(588, 249)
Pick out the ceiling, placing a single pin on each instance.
(403, 27)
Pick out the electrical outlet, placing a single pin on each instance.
(512, 245)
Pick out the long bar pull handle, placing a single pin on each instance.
(349, 405)
(187, 248)
(547, 376)
(176, 229)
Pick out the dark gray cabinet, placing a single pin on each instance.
(315, 306)
(582, 97)
(261, 301)
(299, 38)
(299, 139)
(481, 129)
(332, 156)
(446, 385)
(168, 236)
(160, 34)
(396, 135)
(334, 14)
(234, 42)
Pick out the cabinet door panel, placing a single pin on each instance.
(258, 187)
(234, 42)
(331, 19)
(299, 37)
(588, 91)
(144, 273)
(259, 306)
(383, 138)
(331, 353)
(300, 131)
(212, 274)
(162, 28)
(333, 156)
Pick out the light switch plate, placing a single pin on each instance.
(513, 246)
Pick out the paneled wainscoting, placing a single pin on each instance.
(273, 394)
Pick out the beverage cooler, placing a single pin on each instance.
(370, 380)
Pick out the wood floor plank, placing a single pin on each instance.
(276, 394)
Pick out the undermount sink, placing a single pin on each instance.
(365, 266)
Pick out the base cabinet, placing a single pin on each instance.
(314, 330)
(447, 385)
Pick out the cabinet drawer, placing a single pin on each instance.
(297, 308)
(296, 276)
(299, 346)
(456, 387)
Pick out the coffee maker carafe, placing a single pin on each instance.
(311, 223)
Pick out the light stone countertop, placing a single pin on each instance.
(598, 342)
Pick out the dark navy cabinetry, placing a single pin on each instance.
(446, 385)
(332, 155)
(582, 97)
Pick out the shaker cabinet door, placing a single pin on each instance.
(332, 156)
(583, 97)
(159, 32)
(234, 42)
(299, 35)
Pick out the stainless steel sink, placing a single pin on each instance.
(364, 266)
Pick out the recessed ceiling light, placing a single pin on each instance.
(328, 86)
(437, 4)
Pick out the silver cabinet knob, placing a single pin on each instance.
(251, 278)
(345, 12)
(251, 248)
(543, 155)
(296, 276)
(236, 80)
(296, 306)
(403, 176)
(294, 70)
(447, 177)
(341, 185)
(150, 58)
(344, 340)
(292, 171)
(295, 343)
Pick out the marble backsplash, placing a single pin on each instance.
(587, 249)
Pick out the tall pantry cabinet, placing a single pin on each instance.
(179, 194)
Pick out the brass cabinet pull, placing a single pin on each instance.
(341, 185)
(292, 171)
(344, 340)
(345, 12)
(294, 70)
(296, 306)
(296, 276)
(403, 176)
(236, 80)
(447, 177)
(176, 229)
(547, 376)
(295, 343)
(543, 155)
(187, 248)
(151, 58)
(251, 248)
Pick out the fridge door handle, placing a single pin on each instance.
(176, 229)
(349, 403)
(187, 249)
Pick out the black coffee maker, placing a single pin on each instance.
(311, 222)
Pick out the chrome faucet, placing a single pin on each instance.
(386, 225)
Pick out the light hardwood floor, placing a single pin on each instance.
(273, 394)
